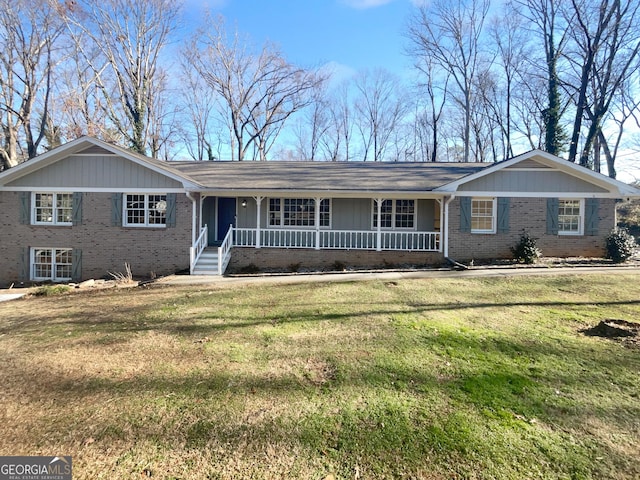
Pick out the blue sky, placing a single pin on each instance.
(349, 34)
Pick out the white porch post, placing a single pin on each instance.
(194, 234)
(318, 201)
(258, 203)
(200, 206)
(379, 223)
(445, 230)
(440, 243)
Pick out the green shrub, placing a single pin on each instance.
(51, 290)
(526, 251)
(620, 245)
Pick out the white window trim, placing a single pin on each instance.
(580, 231)
(146, 223)
(282, 226)
(494, 215)
(393, 215)
(53, 278)
(54, 208)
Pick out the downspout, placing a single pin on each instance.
(446, 233)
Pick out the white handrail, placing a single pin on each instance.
(224, 251)
(196, 250)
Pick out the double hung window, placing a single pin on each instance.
(52, 208)
(483, 215)
(570, 217)
(144, 210)
(53, 264)
(298, 212)
(399, 214)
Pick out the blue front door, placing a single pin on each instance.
(226, 216)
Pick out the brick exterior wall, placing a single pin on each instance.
(528, 214)
(105, 248)
(310, 259)
(166, 250)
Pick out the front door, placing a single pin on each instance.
(226, 216)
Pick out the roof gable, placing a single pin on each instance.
(538, 172)
(91, 163)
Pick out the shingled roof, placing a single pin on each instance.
(345, 177)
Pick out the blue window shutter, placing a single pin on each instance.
(116, 209)
(23, 274)
(552, 216)
(25, 208)
(171, 209)
(591, 217)
(76, 265)
(465, 214)
(503, 214)
(76, 213)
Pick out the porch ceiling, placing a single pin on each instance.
(344, 178)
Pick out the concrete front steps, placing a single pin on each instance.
(207, 264)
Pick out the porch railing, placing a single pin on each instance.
(224, 251)
(198, 247)
(337, 239)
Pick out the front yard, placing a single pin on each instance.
(431, 379)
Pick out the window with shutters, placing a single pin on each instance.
(51, 208)
(483, 215)
(570, 215)
(145, 210)
(54, 264)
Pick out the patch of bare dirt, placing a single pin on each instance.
(623, 331)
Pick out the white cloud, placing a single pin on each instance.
(364, 4)
(338, 71)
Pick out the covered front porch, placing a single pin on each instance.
(358, 224)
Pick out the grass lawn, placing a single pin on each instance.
(430, 379)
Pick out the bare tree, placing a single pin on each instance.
(381, 106)
(130, 35)
(512, 54)
(434, 85)
(607, 42)
(29, 32)
(78, 104)
(625, 107)
(259, 91)
(527, 102)
(201, 133)
(313, 126)
(545, 21)
(450, 32)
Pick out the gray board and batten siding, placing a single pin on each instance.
(530, 181)
(96, 171)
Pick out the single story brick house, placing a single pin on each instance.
(85, 208)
